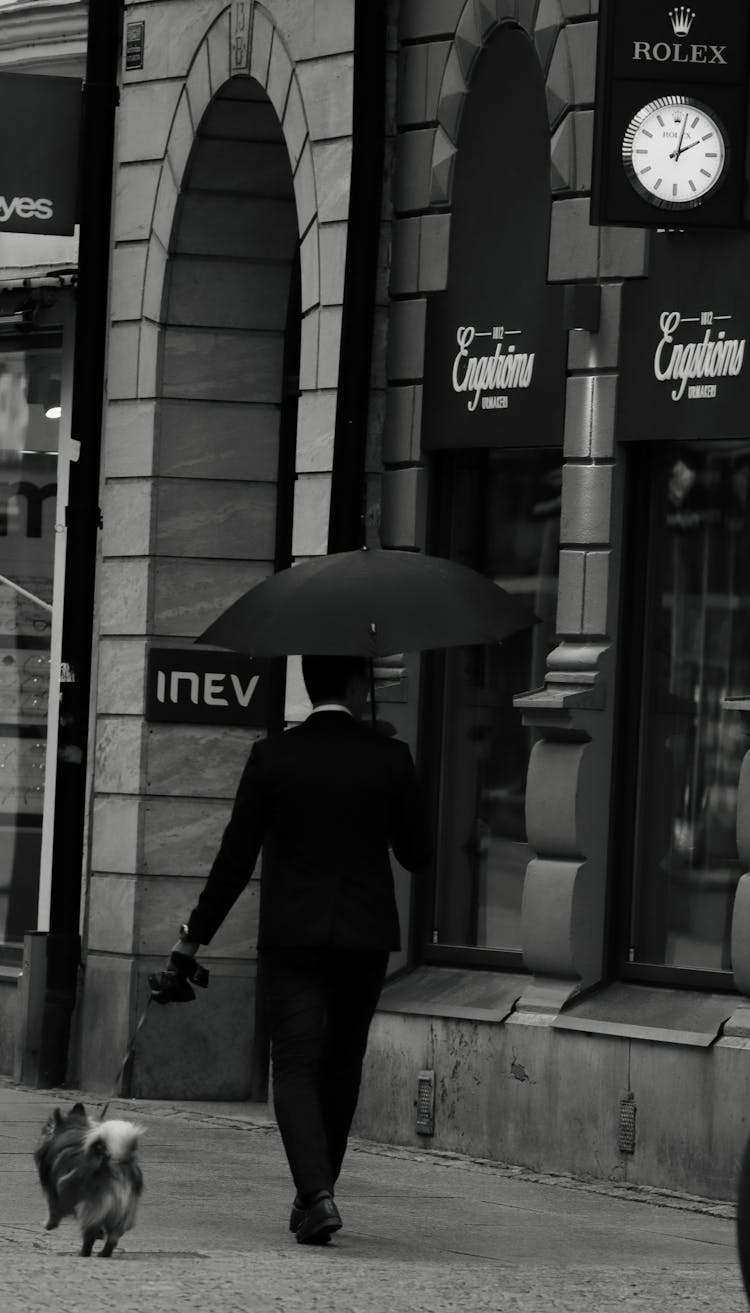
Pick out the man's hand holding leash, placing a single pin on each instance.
(174, 984)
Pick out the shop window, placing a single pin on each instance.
(690, 622)
(499, 512)
(29, 422)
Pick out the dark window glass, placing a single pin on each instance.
(29, 423)
(500, 514)
(696, 653)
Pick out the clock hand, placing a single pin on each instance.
(690, 147)
(675, 154)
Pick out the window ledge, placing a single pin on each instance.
(431, 991)
(561, 696)
(667, 1016)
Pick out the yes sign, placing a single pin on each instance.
(39, 157)
(25, 208)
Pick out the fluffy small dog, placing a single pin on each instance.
(91, 1169)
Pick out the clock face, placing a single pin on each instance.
(675, 152)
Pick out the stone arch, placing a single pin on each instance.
(478, 23)
(271, 66)
(425, 166)
(228, 368)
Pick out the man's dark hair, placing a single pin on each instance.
(328, 676)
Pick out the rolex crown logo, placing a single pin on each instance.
(681, 18)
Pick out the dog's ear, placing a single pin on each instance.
(79, 1109)
(57, 1118)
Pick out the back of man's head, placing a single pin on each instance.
(327, 678)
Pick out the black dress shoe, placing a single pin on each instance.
(321, 1218)
(296, 1215)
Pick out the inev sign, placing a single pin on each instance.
(195, 687)
(39, 157)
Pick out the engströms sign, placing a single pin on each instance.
(685, 368)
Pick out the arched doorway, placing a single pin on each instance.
(230, 357)
(227, 395)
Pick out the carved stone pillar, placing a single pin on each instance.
(740, 941)
(567, 821)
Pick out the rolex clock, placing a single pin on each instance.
(675, 152)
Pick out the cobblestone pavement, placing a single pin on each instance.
(422, 1232)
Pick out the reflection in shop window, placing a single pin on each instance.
(501, 515)
(29, 422)
(697, 653)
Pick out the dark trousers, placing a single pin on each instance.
(320, 1004)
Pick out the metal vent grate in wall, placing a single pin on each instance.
(626, 1133)
(426, 1103)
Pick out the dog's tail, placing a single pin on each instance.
(116, 1140)
(115, 1183)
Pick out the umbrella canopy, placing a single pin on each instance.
(370, 604)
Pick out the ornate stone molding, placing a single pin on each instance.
(42, 30)
(546, 26)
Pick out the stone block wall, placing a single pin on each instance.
(234, 143)
(522, 1092)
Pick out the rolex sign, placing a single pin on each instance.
(671, 114)
(705, 41)
(39, 155)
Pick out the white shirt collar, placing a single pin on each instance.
(331, 706)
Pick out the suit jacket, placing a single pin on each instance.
(325, 800)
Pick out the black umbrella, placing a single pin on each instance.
(370, 604)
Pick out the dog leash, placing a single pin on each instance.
(170, 986)
(128, 1054)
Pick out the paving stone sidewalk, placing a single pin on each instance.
(423, 1232)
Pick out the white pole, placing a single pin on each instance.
(67, 452)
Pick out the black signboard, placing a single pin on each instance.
(685, 366)
(191, 686)
(702, 42)
(495, 351)
(39, 155)
(493, 375)
(662, 68)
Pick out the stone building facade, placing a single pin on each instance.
(232, 153)
(554, 1046)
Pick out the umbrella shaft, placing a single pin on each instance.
(372, 692)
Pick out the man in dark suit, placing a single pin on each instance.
(325, 800)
